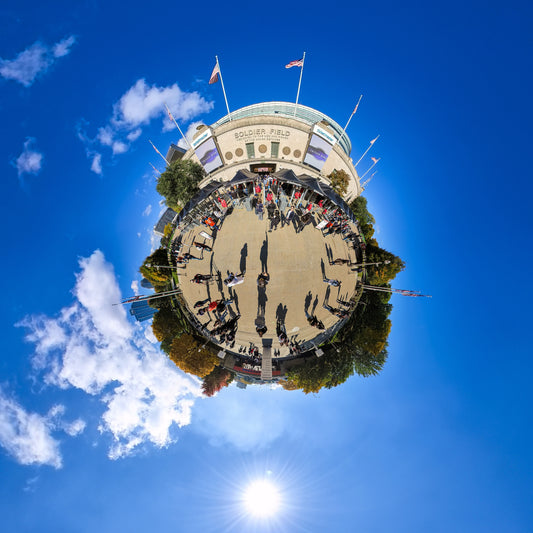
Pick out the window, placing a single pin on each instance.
(250, 151)
(274, 147)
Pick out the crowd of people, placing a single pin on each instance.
(283, 206)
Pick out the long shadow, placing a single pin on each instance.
(323, 268)
(220, 285)
(315, 303)
(244, 254)
(326, 296)
(261, 300)
(234, 296)
(329, 252)
(307, 303)
(263, 255)
(211, 264)
(281, 313)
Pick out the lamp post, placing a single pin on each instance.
(371, 264)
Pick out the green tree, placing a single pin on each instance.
(310, 376)
(166, 324)
(179, 183)
(154, 269)
(365, 219)
(384, 273)
(167, 235)
(368, 364)
(339, 180)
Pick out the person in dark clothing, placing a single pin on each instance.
(202, 246)
(201, 278)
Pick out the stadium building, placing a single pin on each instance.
(268, 238)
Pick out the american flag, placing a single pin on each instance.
(214, 74)
(296, 63)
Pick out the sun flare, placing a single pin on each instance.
(262, 498)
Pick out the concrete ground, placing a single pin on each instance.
(296, 263)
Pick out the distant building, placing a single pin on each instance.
(146, 284)
(166, 218)
(175, 153)
(142, 311)
(269, 137)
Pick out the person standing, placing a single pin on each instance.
(259, 210)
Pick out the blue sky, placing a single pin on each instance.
(99, 432)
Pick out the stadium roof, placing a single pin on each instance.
(290, 110)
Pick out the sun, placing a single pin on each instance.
(262, 498)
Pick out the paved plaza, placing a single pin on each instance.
(296, 264)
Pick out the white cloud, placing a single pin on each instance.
(62, 48)
(105, 135)
(134, 135)
(119, 147)
(29, 161)
(35, 60)
(96, 164)
(75, 428)
(55, 420)
(136, 108)
(149, 335)
(27, 436)
(135, 286)
(220, 419)
(189, 134)
(141, 103)
(100, 352)
(148, 210)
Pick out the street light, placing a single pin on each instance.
(371, 264)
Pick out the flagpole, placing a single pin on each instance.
(179, 129)
(163, 157)
(366, 151)
(368, 180)
(223, 90)
(299, 83)
(154, 168)
(347, 123)
(373, 165)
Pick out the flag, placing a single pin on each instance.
(169, 114)
(296, 63)
(356, 107)
(374, 160)
(153, 146)
(215, 74)
(374, 140)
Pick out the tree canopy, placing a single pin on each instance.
(365, 219)
(339, 181)
(190, 356)
(166, 324)
(216, 380)
(155, 269)
(179, 182)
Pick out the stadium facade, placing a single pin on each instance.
(279, 155)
